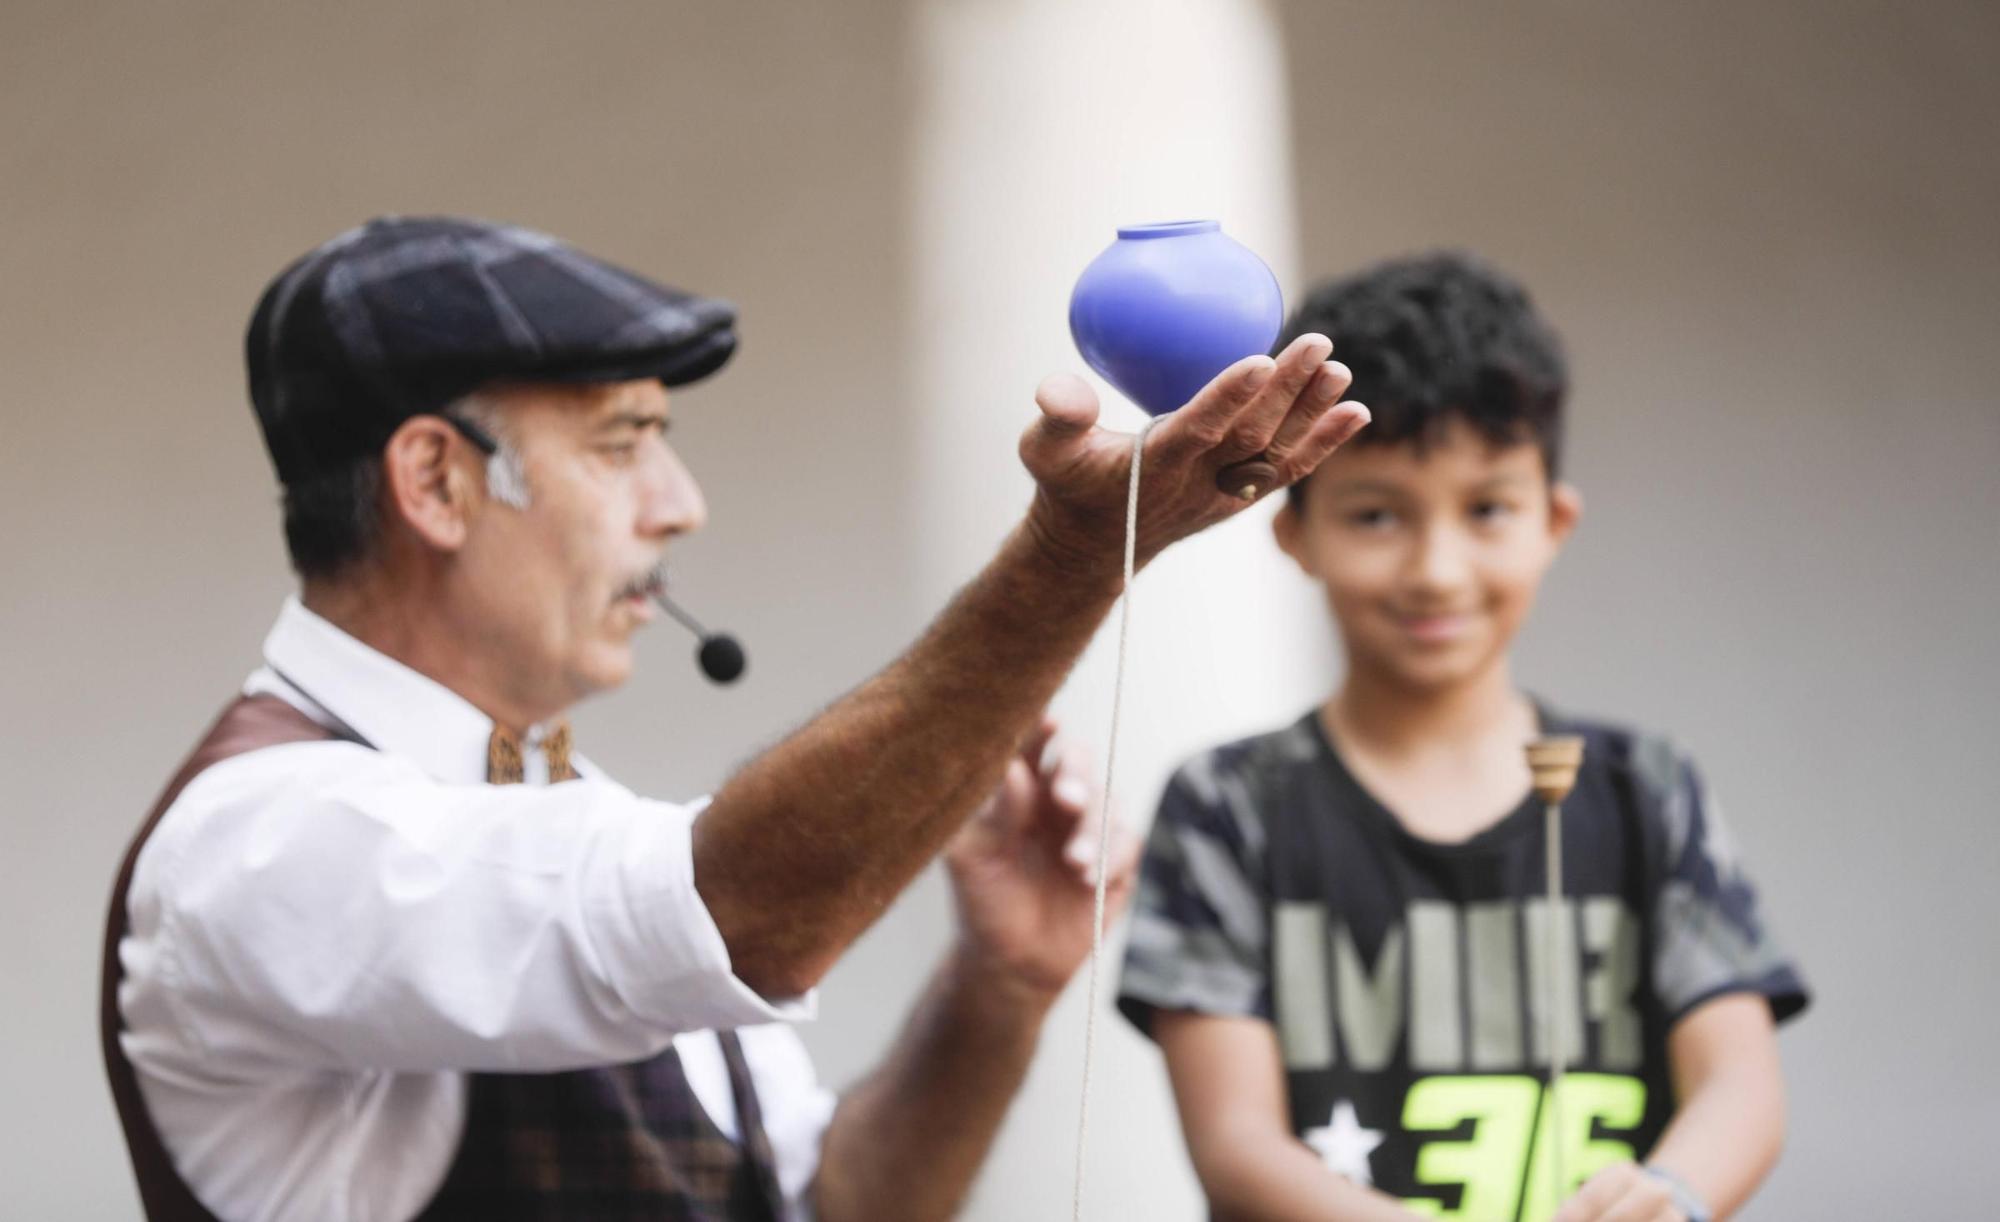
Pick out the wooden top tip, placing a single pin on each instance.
(1556, 748)
(1553, 762)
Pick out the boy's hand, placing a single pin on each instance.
(1622, 1192)
(1283, 411)
(1023, 869)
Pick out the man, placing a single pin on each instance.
(353, 973)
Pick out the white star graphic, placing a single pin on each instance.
(1344, 1145)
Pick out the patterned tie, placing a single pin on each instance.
(505, 762)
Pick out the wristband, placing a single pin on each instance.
(1685, 1199)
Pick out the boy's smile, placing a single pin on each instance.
(1430, 556)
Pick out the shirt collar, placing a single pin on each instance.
(394, 708)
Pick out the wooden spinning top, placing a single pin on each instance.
(1554, 762)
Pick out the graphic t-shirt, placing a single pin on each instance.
(1406, 978)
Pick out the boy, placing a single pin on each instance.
(1340, 941)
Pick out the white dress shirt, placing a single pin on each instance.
(325, 938)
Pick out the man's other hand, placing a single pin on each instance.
(1285, 411)
(1023, 868)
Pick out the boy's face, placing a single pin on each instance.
(1430, 561)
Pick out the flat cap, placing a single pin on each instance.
(405, 314)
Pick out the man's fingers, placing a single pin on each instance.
(1039, 747)
(1069, 410)
(1013, 808)
(1209, 417)
(1067, 775)
(1299, 368)
(1121, 856)
(1335, 428)
(1125, 849)
(1321, 393)
(1068, 403)
(1250, 406)
(1071, 792)
(1072, 795)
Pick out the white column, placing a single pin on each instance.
(1041, 126)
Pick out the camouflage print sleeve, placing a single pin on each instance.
(1199, 920)
(1709, 936)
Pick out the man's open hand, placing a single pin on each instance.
(1023, 869)
(1285, 411)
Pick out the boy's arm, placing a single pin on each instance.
(1727, 1128)
(1717, 964)
(1229, 1086)
(1730, 1122)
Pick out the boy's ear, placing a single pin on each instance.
(1565, 511)
(1286, 528)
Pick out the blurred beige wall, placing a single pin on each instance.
(1765, 234)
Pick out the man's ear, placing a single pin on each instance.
(1288, 529)
(1565, 511)
(427, 480)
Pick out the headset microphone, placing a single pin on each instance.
(720, 656)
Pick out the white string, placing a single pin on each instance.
(1552, 995)
(1104, 814)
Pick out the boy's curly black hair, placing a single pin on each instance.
(1439, 336)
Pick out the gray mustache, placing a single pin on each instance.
(646, 584)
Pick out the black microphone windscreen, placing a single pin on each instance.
(721, 658)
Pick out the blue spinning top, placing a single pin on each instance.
(1167, 307)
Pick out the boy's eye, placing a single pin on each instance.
(620, 451)
(1488, 511)
(1372, 517)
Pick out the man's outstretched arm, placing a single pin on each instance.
(808, 844)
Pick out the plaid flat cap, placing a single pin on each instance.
(405, 314)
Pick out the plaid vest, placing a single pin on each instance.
(618, 1142)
